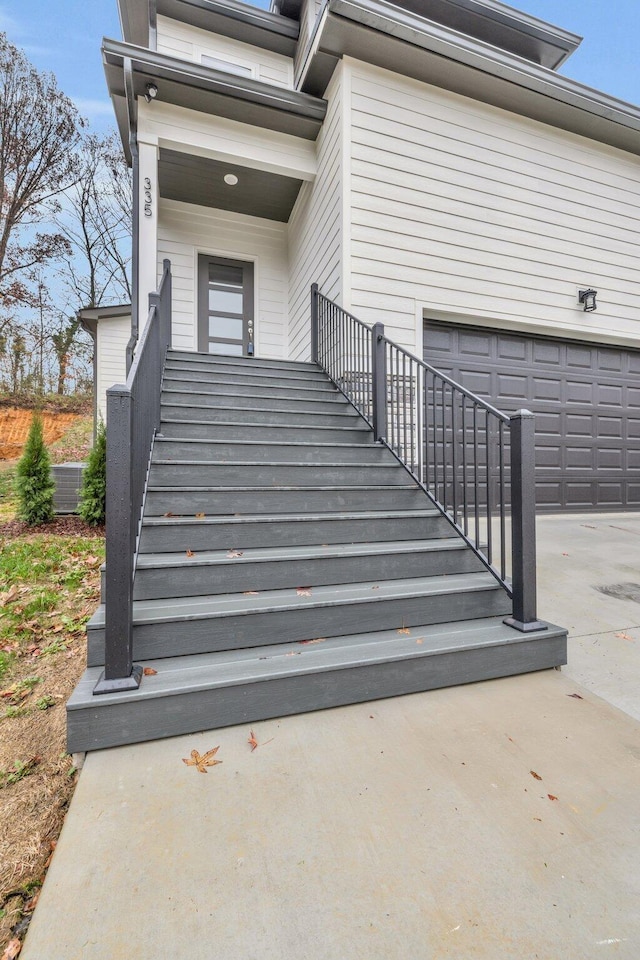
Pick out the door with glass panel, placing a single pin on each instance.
(225, 306)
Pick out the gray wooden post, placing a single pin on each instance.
(379, 382)
(119, 671)
(315, 319)
(523, 523)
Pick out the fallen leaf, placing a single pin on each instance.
(10, 595)
(303, 591)
(376, 587)
(565, 554)
(294, 653)
(199, 516)
(535, 775)
(169, 514)
(31, 905)
(149, 672)
(551, 796)
(201, 762)
(624, 636)
(250, 593)
(316, 640)
(576, 696)
(253, 743)
(190, 553)
(234, 554)
(404, 630)
(539, 819)
(12, 950)
(509, 738)
(92, 561)
(420, 640)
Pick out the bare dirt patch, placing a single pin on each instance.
(15, 424)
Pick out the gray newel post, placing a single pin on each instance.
(119, 671)
(523, 523)
(315, 321)
(379, 382)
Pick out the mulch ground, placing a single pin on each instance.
(70, 526)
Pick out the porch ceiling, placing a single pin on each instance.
(200, 180)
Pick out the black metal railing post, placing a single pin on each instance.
(523, 523)
(379, 382)
(314, 323)
(119, 671)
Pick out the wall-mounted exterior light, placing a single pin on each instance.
(230, 179)
(150, 92)
(588, 300)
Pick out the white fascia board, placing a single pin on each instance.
(176, 128)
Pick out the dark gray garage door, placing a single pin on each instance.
(586, 399)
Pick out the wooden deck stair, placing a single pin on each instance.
(287, 563)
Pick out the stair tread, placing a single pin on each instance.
(362, 427)
(313, 464)
(325, 387)
(291, 517)
(233, 604)
(244, 362)
(227, 668)
(284, 489)
(210, 441)
(282, 554)
(348, 411)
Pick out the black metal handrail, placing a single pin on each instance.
(133, 419)
(474, 462)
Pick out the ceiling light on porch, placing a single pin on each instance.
(588, 300)
(230, 179)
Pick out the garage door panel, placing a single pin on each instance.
(586, 400)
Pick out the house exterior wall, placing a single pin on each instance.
(112, 337)
(186, 230)
(315, 229)
(190, 43)
(463, 211)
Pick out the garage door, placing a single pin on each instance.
(586, 399)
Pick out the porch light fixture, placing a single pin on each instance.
(150, 92)
(588, 300)
(230, 179)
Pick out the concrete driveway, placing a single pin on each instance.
(498, 820)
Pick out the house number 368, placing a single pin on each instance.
(147, 197)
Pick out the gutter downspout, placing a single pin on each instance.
(135, 232)
(153, 24)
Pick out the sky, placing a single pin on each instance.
(64, 36)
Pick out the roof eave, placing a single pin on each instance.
(377, 33)
(201, 88)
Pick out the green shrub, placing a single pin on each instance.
(94, 481)
(34, 482)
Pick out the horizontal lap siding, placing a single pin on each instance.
(113, 337)
(184, 230)
(315, 228)
(469, 210)
(189, 43)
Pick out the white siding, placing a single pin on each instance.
(466, 211)
(190, 43)
(111, 358)
(316, 229)
(185, 230)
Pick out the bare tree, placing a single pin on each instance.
(39, 132)
(95, 221)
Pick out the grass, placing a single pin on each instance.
(49, 587)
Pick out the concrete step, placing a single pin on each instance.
(181, 626)
(210, 572)
(167, 473)
(239, 501)
(265, 451)
(356, 432)
(247, 400)
(169, 534)
(232, 386)
(341, 415)
(192, 693)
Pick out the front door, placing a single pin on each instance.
(225, 306)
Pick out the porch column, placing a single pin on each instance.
(148, 224)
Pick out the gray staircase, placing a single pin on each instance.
(288, 563)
